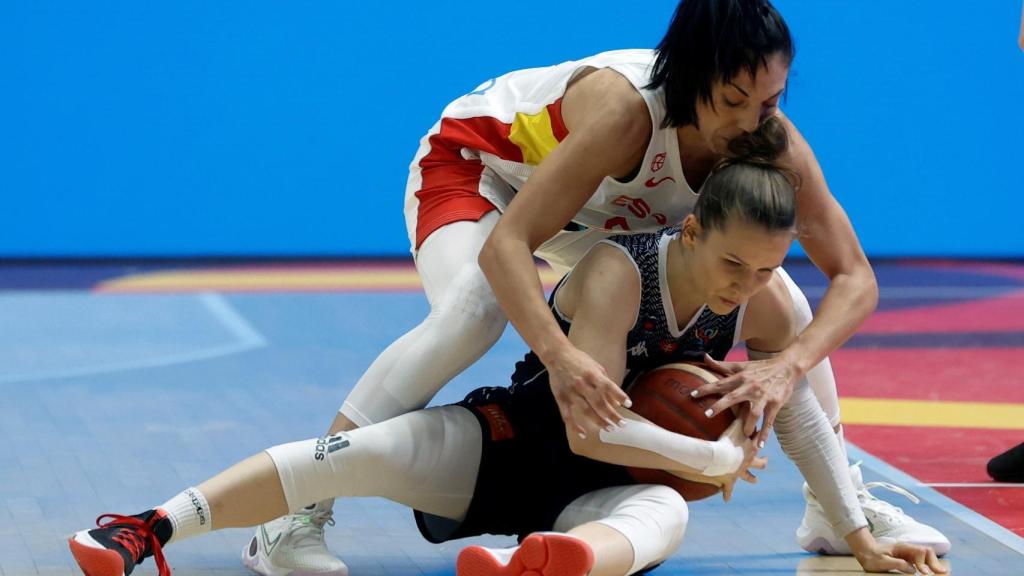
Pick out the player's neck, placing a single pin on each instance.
(684, 288)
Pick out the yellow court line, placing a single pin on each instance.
(938, 414)
(271, 280)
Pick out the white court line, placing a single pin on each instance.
(940, 501)
(935, 292)
(247, 338)
(972, 485)
(219, 306)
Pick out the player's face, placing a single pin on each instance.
(734, 263)
(741, 104)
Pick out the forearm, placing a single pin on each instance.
(509, 267)
(642, 444)
(809, 441)
(850, 299)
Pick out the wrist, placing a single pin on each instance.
(553, 348)
(726, 458)
(861, 542)
(798, 359)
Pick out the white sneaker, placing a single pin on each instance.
(294, 545)
(888, 523)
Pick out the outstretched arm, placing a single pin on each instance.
(608, 128)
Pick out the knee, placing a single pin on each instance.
(470, 309)
(672, 518)
(654, 522)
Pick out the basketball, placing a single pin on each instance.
(663, 396)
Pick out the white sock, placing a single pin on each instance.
(189, 513)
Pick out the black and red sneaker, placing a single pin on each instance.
(122, 543)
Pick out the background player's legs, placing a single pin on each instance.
(464, 322)
(627, 528)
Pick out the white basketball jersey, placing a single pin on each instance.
(513, 122)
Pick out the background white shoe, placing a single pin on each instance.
(887, 523)
(293, 545)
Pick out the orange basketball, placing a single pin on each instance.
(663, 396)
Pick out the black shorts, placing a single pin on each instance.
(528, 474)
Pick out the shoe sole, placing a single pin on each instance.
(538, 555)
(257, 564)
(93, 558)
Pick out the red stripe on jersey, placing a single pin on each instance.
(557, 125)
(450, 189)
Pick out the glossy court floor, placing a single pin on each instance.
(121, 385)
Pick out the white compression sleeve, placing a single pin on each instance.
(715, 458)
(426, 459)
(809, 441)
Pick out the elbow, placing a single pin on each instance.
(869, 288)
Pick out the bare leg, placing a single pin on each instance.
(246, 494)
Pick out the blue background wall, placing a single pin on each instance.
(266, 128)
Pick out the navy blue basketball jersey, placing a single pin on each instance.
(657, 338)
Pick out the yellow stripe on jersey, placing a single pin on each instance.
(534, 136)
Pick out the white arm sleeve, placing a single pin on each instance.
(710, 458)
(809, 441)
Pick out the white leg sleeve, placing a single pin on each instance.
(808, 440)
(426, 459)
(652, 517)
(821, 377)
(465, 320)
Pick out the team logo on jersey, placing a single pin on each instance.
(652, 183)
(649, 325)
(669, 346)
(640, 349)
(501, 426)
(658, 162)
(705, 335)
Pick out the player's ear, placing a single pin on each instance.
(691, 231)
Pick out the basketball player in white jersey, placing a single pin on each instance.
(547, 162)
(503, 460)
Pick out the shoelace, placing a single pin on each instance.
(309, 530)
(884, 508)
(134, 536)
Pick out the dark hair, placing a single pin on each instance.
(751, 186)
(710, 41)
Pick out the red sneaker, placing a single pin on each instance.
(121, 544)
(540, 554)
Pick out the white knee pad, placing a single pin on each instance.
(654, 521)
(652, 517)
(821, 377)
(309, 470)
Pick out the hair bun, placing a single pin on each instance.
(765, 144)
